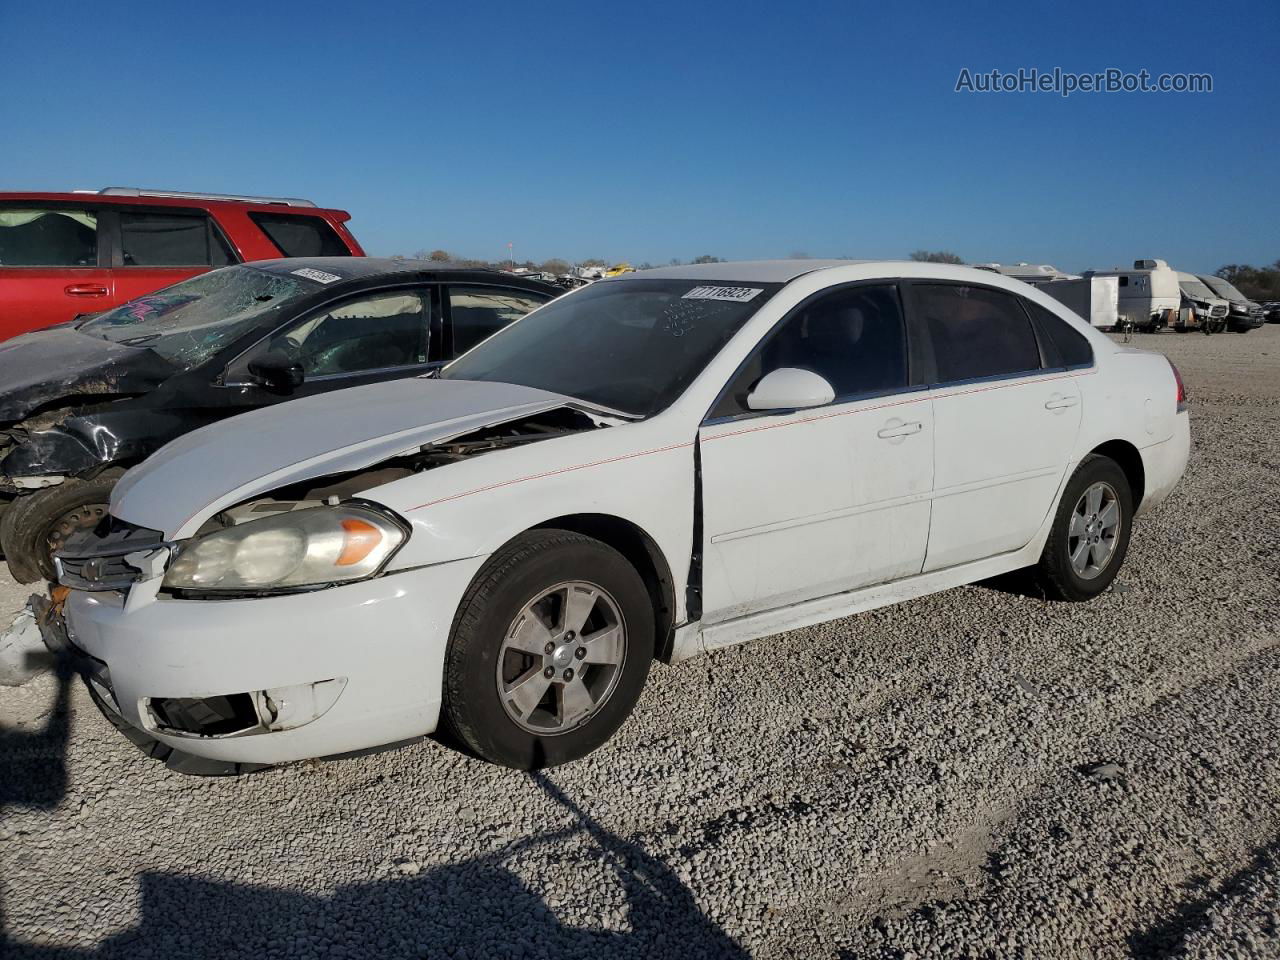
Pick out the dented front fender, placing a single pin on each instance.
(46, 452)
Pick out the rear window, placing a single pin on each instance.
(171, 240)
(42, 237)
(297, 235)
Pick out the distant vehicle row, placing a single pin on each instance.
(1149, 296)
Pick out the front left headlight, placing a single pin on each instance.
(287, 551)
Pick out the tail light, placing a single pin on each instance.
(1182, 387)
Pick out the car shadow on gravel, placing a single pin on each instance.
(1018, 583)
(474, 908)
(1163, 938)
(33, 765)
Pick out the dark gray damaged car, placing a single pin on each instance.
(82, 402)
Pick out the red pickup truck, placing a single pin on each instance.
(64, 254)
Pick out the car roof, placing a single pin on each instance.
(361, 268)
(753, 271)
(190, 202)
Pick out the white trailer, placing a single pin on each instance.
(1149, 296)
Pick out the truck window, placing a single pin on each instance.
(171, 240)
(298, 235)
(42, 237)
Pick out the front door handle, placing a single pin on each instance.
(1060, 401)
(85, 290)
(896, 429)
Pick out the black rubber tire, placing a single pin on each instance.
(1054, 572)
(29, 521)
(472, 710)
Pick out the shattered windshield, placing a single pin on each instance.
(630, 345)
(191, 321)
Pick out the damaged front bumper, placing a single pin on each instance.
(269, 680)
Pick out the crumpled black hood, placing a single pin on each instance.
(40, 368)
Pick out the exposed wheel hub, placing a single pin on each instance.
(85, 517)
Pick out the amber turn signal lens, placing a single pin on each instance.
(359, 539)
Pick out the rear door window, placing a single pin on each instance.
(299, 235)
(171, 240)
(479, 312)
(48, 237)
(975, 332)
(362, 335)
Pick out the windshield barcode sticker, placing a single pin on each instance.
(734, 294)
(319, 276)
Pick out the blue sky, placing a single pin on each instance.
(649, 131)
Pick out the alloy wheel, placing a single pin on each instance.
(1095, 530)
(561, 658)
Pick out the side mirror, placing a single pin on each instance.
(790, 388)
(277, 371)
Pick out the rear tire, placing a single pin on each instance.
(525, 684)
(36, 524)
(1088, 543)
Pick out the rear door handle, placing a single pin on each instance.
(1060, 402)
(85, 290)
(896, 429)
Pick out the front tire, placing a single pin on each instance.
(36, 524)
(1090, 534)
(549, 652)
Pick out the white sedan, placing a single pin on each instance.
(650, 467)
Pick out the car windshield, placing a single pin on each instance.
(191, 321)
(1223, 289)
(630, 345)
(1194, 288)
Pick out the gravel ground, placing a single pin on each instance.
(978, 773)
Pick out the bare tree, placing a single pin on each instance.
(555, 265)
(935, 256)
(707, 258)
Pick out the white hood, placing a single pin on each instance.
(207, 470)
